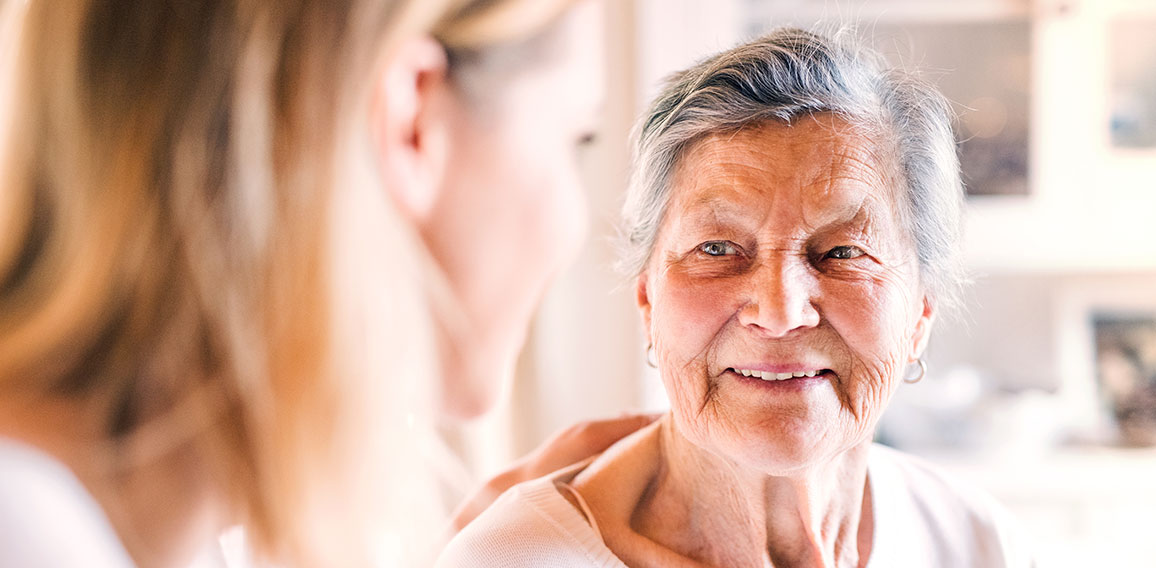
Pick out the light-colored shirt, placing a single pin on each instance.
(921, 519)
(49, 520)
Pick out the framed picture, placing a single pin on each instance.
(1132, 101)
(1107, 360)
(1125, 363)
(979, 55)
(984, 67)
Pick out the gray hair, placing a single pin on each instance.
(792, 73)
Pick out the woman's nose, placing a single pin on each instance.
(780, 299)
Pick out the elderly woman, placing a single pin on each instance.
(792, 223)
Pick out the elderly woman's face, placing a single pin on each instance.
(783, 295)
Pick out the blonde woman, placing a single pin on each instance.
(250, 252)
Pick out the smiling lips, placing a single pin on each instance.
(769, 376)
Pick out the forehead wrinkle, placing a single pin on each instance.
(836, 174)
(715, 210)
(709, 194)
(850, 175)
(861, 224)
(862, 166)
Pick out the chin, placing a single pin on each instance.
(469, 395)
(473, 385)
(790, 456)
(479, 371)
(774, 458)
(780, 450)
(457, 406)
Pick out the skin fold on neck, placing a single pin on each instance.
(708, 511)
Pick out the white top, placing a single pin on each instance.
(922, 519)
(47, 518)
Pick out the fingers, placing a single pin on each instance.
(481, 500)
(581, 441)
(569, 446)
(597, 435)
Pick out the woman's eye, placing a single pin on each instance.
(844, 252)
(717, 248)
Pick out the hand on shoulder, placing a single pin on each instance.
(568, 446)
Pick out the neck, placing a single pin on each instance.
(716, 512)
(164, 511)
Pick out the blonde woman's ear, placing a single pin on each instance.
(410, 119)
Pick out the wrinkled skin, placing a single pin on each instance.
(783, 247)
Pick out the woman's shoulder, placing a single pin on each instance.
(47, 518)
(927, 483)
(917, 501)
(531, 524)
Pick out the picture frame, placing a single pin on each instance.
(1125, 368)
(980, 55)
(984, 68)
(1108, 389)
(1132, 82)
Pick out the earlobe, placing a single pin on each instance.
(409, 122)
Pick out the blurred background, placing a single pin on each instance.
(1043, 390)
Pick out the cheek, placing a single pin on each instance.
(536, 208)
(689, 314)
(546, 190)
(873, 319)
(506, 224)
(563, 212)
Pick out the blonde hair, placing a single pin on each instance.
(193, 242)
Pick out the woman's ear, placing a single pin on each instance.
(922, 331)
(409, 113)
(642, 298)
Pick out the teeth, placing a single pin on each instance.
(769, 376)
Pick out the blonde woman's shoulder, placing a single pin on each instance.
(47, 518)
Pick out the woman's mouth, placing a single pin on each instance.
(772, 376)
